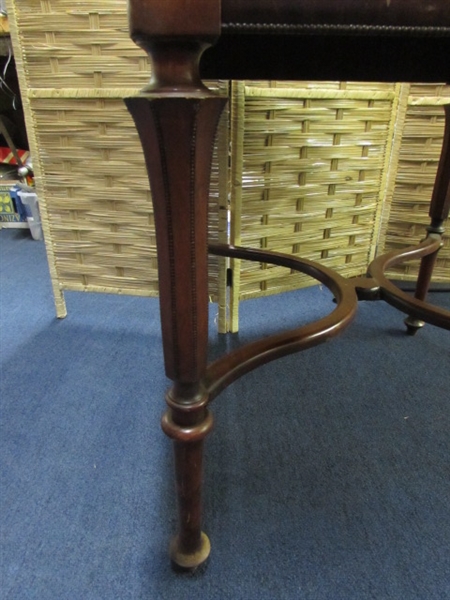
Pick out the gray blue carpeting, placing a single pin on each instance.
(327, 475)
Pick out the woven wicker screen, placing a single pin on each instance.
(76, 63)
(420, 142)
(315, 167)
(73, 45)
(309, 177)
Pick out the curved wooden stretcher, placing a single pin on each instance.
(176, 117)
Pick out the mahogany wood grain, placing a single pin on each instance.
(230, 367)
(177, 135)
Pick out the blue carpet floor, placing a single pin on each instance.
(327, 475)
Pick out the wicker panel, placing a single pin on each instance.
(313, 158)
(97, 198)
(421, 143)
(325, 86)
(96, 192)
(308, 166)
(82, 44)
(76, 63)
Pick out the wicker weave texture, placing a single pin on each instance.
(97, 196)
(76, 63)
(313, 163)
(421, 142)
(313, 157)
(82, 44)
(96, 192)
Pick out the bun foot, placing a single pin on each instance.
(413, 325)
(190, 560)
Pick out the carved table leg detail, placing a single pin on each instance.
(177, 136)
(188, 424)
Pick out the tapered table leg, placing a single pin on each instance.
(177, 136)
(439, 210)
(176, 117)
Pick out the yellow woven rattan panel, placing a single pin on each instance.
(313, 162)
(97, 196)
(76, 63)
(83, 44)
(421, 143)
(309, 163)
(96, 191)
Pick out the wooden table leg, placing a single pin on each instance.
(176, 117)
(439, 210)
(177, 136)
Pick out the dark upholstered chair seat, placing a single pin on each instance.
(356, 13)
(385, 40)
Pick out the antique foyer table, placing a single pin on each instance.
(176, 117)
